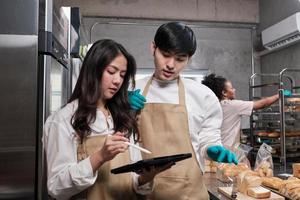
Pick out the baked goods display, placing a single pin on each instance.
(292, 133)
(289, 188)
(274, 134)
(258, 184)
(262, 134)
(268, 134)
(249, 183)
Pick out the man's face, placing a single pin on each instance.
(168, 65)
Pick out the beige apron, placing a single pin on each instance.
(164, 131)
(107, 186)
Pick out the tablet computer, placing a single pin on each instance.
(147, 163)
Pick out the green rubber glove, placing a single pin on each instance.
(136, 100)
(219, 153)
(287, 93)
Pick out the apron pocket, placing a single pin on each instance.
(171, 187)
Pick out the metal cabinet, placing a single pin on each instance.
(279, 124)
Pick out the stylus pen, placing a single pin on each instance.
(138, 147)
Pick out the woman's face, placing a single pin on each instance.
(113, 77)
(229, 92)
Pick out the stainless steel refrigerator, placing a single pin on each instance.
(34, 80)
(54, 74)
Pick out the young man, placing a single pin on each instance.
(180, 116)
(233, 110)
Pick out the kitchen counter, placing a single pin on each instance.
(212, 184)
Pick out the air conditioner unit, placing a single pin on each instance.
(282, 34)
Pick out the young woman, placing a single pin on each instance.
(233, 109)
(85, 139)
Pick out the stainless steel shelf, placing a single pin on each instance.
(280, 117)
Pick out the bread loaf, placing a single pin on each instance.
(274, 134)
(245, 181)
(296, 170)
(263, 134)
(259, 192)
(291, 188)
(272, 182)
(295, 193)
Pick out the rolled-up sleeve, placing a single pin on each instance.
(66, 176)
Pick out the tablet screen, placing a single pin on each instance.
(147, 163)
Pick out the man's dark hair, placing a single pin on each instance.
(216, 84)
(177, 38)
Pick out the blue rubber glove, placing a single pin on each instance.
(220, 154)
(136, 100)
(287, 93)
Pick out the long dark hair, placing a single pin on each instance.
(216, 84)
(88, 90)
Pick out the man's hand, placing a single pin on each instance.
(136, 100)
(221, 154)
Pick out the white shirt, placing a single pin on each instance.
(233, 110)
(203, 108)
(67, 176)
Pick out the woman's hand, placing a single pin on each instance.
(113, 145)
(147, 175)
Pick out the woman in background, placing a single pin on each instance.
(85, 139)
(233, 109)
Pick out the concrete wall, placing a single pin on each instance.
(272, 11)
(196, 10)
(222, 50)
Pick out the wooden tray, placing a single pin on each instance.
(240, 196)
